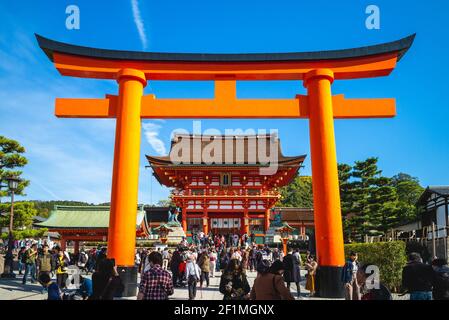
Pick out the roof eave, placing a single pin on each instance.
(400, 46)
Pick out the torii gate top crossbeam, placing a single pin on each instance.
(363, 62)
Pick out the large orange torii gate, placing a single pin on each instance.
(317, 70)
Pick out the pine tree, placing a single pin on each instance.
(11, 158)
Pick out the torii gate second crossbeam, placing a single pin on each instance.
(317, 70)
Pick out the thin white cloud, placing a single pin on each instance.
(151, 131)
(51, 193)
(139, 23)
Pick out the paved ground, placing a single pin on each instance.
(14, 290)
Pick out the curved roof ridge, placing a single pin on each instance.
(50, 46)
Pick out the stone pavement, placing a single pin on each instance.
(14, 290)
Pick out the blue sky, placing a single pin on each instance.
(71, 159)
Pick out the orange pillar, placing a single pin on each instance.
(205, 221)
(267, 219)
(284, 245)
(245, 220)
(122, 220)
(184, 219)
(326, 194)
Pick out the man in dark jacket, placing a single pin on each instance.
(418, 278)
(441, 283)
(174, 266)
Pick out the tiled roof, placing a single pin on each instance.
(80, 217)
(242, 148)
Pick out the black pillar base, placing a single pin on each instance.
(329, 284)
(128, 275)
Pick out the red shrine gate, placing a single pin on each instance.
(317, 71)
(228, 196)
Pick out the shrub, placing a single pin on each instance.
(390, 257)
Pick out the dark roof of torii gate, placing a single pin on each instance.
(364, 62)
(400, 47)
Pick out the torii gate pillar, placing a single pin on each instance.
(125, 176)
(326, 194)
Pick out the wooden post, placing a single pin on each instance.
(63, 243)
(184, 219)
(267, 219)
(245, 220)
(434, 249)
(76, 247)
(205, 220)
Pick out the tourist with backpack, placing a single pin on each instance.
(29, 259)
(45, 262)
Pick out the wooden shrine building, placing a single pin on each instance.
(84, 223)
(231, 194)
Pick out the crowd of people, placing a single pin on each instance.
(40, 261)
(192, 265)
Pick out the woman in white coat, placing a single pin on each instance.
(193, 273)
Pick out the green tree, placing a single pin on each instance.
(408, 190)
(372, 203)
(297, 193)
(11, 158)
(373, 209)
(44, 207)
(23, 214)
(344, 176)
